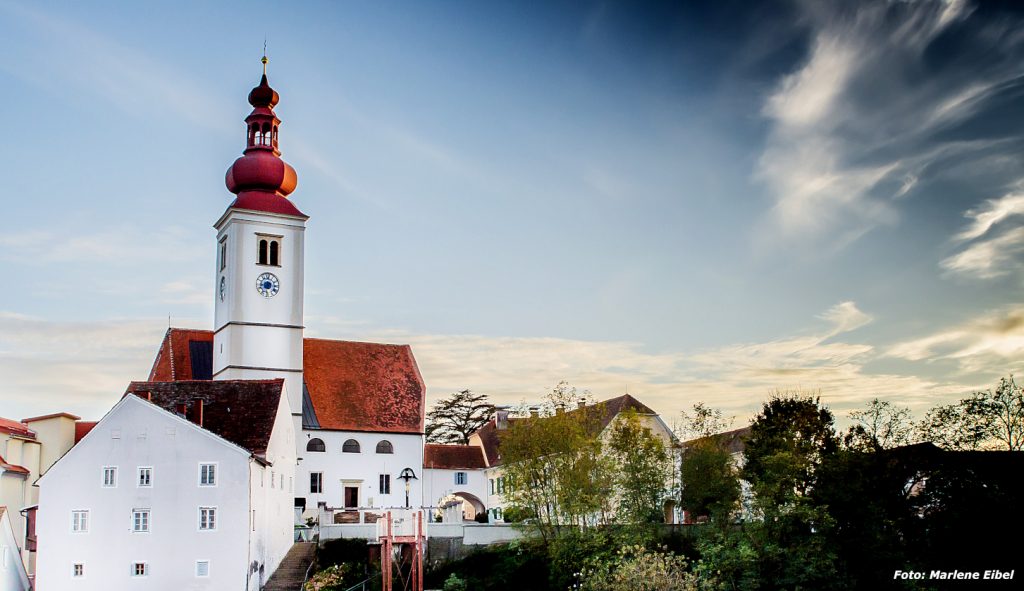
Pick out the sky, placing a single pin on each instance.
(707, 202)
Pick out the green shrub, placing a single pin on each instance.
(454, 583)
(635, 568)
(332, 578)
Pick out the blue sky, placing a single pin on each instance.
(707, 202)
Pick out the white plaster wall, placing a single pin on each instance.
(13, 576)
(174, 448)
(365, 466)
(438, 483)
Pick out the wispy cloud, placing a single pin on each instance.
(117, 245)
(992, 342)
(852, 129)
(1000, 253)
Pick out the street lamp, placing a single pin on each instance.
(408, 476)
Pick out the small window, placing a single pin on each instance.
(223, 254)
(78, 570)
(501, 485)
(275, 247)
(350, 447)
(140, 569)
(316, 482)
(316, 444)
(140, 520)
(384, 447)
(385, 484)
(460, 478)
(202, 568)
(207, 474)
(109, 476)
(207, 518)
(80, 521)
(262, 255)
(491, 481)
(145, 477)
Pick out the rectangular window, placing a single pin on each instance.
(140, 520)
(202, 568)
(207, 518)
(145, 476)
(109, 476)
(80, 521)
(207, 474)
(140, 569)
(223, 254)
(491, 481)
(385, 484)
(78, 569)
(460, 478)
(501, 484)
(316, 482)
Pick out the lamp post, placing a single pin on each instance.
(408, 476)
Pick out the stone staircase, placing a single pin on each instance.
(290, 574)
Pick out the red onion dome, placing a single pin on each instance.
(263, 95)
(260, 170)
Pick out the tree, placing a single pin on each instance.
(702, 422)
(882, 425)
(990, 419)
(455, 418)
(636, 568)
(710, 481)
(641, 470)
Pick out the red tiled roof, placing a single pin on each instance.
(12, 467)
(16, 428)
(453, 457)
(173, 360)
(82, 428)
(731, 441)
(364, 386)
(52, 416)
(241, 411)
(352, 386)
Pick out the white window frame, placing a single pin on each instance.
(213, 511)
(319, 484)
(216, 469)
(384, 479)
(146, 520)
(135, 569)
(138, 477)
(78, 525)
(75, 566)
(205, 561)
(461, 478)
(103, 477)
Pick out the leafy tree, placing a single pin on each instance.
(636, 568)
(703, 421)
(455, 418)
(990, 419)
(882, 425)
(953, 426)
(710, 481)
(642, 470)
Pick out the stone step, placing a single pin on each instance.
(292, 570)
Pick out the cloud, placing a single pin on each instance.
(118, 245)
(846, 317)
(858, 124)
(992, 342)
(998, 255)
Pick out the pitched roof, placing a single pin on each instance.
(241, 411)
(608, 409)
(364, 386)
(351, 386)
(731, 441)
(82, 429)
(16, 428)
(12, 467)
(452, 457)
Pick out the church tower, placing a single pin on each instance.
(259, 290)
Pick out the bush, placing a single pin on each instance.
(516, 566)
(636, 568)
(481, 518)
(454, 583)
(331, 578)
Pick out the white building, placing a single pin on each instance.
(183, 485)
(13, 576)
(455, 472)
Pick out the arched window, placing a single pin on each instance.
(252, 135)
(316, 444)
(385, 447)
(350, 447)
(273, 252)
(263, 252)
(275, 136)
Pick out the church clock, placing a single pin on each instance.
(268, 285)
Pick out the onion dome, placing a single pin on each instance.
(260, 178)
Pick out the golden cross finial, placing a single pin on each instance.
(264, 59)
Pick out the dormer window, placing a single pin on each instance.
(268, 250)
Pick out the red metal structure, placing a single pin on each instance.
(405, 538)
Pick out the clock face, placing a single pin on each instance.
(268, 285)
(223, 288)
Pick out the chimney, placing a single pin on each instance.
(581, 403)
(180, 408)
(560, 409)
(534, 412)
(197, 411)
(501, 420)
(145, 395)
